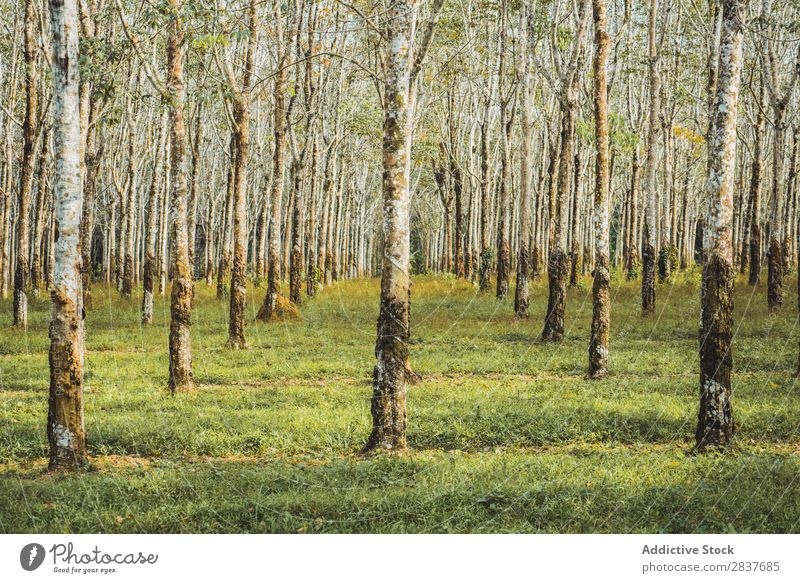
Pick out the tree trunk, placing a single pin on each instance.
(194, 187)
(601, 288)
(30, 121)
(150, 267)
(391, 346)
(504, 198)
(523, 259)
(224, 269)
(180, 342)
(65, 429)
(93, 155)
(276, 190)
(715, 420)
(487, 253)
(241, 116)
(39, 216)
(296, 254)
(651, 195)
(752, 236)
(130, 210)
(558, 263)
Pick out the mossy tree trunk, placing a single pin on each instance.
(29, 123)
(194, 186)
(296, 249)
(65, 428)
(751, 239)
(779, 101)
(558, 263)
(276, 187)
(150, 267)
(715, 419)
(650, 194)
(37, 275)
(523, 259)
(180, 342)
(241, 118)
(504, 188)
(487, 253)
(601, 292)
(391, 347)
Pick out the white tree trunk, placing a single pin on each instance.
(65, 429)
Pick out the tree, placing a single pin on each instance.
(715, 420)
(779, 101)
(180, 341)
(651, 194)
(390, 375)
(29, 134)
(173, 94)
(601, 292)
(504, 188)
(391, 347)
(268, 309)
(65, 429)
(523, 259)
(150, 268)
(568, 103)
(241, 121)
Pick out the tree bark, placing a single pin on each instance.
(391, 347)
(150, 267)
(715, 426)
(180, 341)
(752, 237)
(276, 191)
(21, 283)
(523, 259)
(558, 263)
(601, 288)
(65, 428)
(241, 115)
(504, 188)
(651, 195)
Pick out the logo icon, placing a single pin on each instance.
(31, 556)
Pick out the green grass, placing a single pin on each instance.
(506, 434)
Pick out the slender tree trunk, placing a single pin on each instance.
(180, 342)
(224, 270)
(276, 191)
(754, 210)
(487, 253)
(150, 267)
(558, 263)
(391, 347)
(39, 216)
(21, 283)
(93, 155)
(601, 288)
(65, 429)
(194, 187)
(130, 211)
(523, 259)
(241, 109)
(651, 194)
(504, 198)
(296, 254)
(715, 420)
(632, 262)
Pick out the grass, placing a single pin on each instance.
(506, 434)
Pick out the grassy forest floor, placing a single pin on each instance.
(506, 433)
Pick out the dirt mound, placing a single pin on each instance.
(285, 311)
